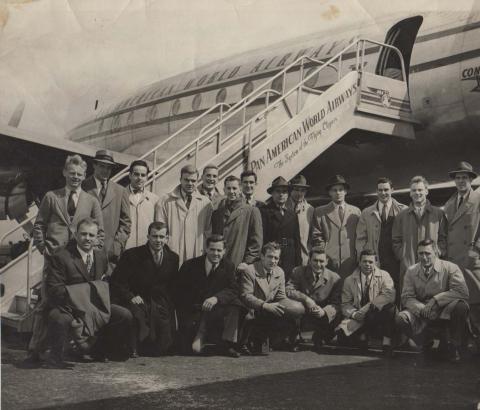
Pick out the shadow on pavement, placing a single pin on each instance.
(379, 384)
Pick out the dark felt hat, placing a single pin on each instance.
(299, 181)
(104, 156)
(279, 182)
(463, 167)
(337, 180)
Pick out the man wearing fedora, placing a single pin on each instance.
(114, 200)
(463, 215)
(297, 203)
(374, 229)
(334, 226)
(462, 211)
(280, 225)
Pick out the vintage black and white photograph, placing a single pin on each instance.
(240, 204)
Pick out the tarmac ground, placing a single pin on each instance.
(340, 378)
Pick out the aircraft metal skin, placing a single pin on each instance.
(444, 86)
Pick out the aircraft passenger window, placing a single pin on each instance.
(221, 96)
(277, 84)
(131, 118)
(247, 89)
(312, 82)
(197, 100)
(151, 113)
(176, 106)
(116, 123)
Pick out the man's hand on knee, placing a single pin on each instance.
(208, 304)
(275, 309)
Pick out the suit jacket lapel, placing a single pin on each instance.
(235, 214)
(78, 262)
(347, 213)
(98, 265)
(61, 199)
(81, 204)
(333, 215)
(109, 195)
(261, 278)
(463, 208)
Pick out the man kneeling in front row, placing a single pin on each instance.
(319, 290)
(206, 295)
(262, 289)
(368, 298)
(73, 273)
(435, 296)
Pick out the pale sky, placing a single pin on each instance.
(59, 56)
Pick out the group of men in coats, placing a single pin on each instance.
(253, 269)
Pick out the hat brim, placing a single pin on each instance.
(104, 161)
(300, 186)
(347, 186)
(272, 188)
(462, 171)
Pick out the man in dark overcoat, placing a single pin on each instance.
(206, 294)
(142, 282)
(280, 225)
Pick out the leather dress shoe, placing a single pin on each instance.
(388, 351)
(33, 357)
(229, 351)
(453, 354)
(54, 361)
(294, 348)
(134, 354)
(244, 350)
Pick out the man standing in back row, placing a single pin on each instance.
(113, 199)
(142, 204)
(280, 225)
(416, 223)
(298, 204)
(187, 215)
(334, 227)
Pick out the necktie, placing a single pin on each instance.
(158, 258)
(269, 276)
(460, 202)
(212, 269)
(89, 263)
(341, 213)
(248, 200)
(103, 190)
(71, 205)
(384, 213)
(365, 293)
(189, 200)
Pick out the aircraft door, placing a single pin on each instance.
(402, 35)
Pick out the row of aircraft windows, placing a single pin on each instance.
(221, 96)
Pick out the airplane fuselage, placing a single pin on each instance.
(444, 85)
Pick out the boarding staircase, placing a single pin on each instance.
(295, 125)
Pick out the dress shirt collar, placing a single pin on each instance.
(136, 191)
(99, 183)
(342, 205)
(84, 254)
(209, 266)
(75, 191)
(388, 206)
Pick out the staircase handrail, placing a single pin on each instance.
(154, 150)
(243, 102)
(16, 228)
(240, 105)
